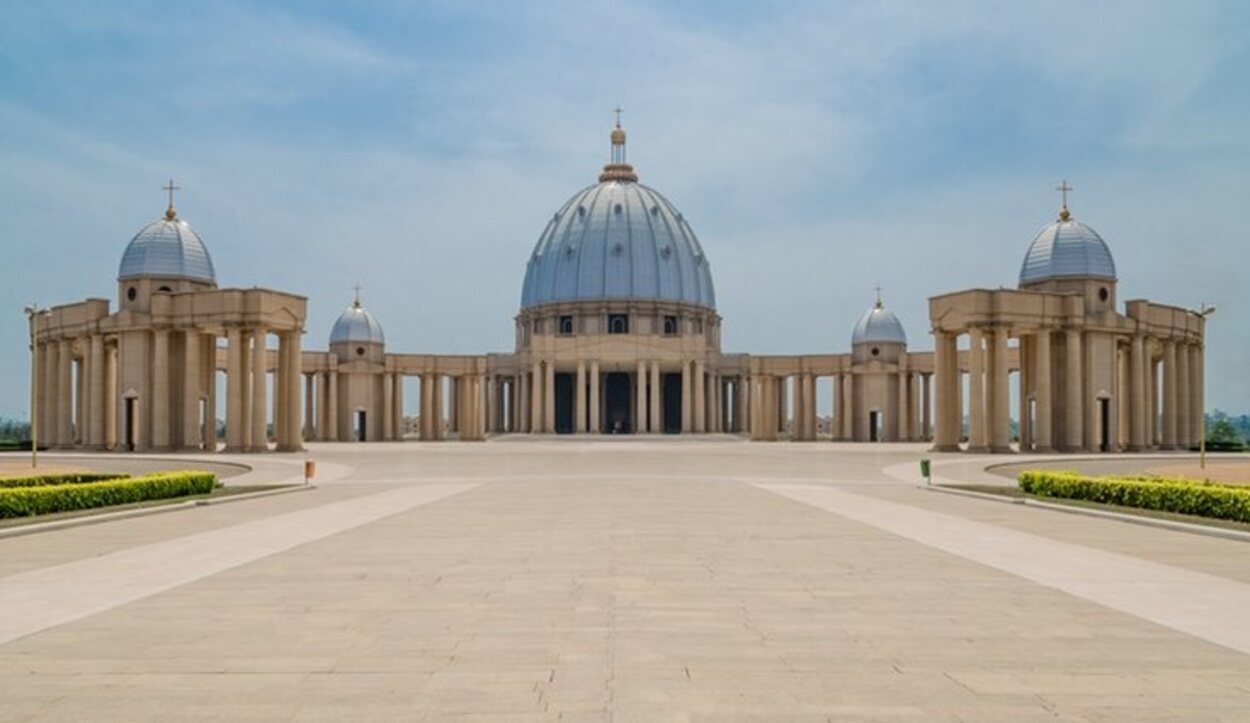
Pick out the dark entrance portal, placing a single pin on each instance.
(362, 428)
(1104, 412)
(672, 404)
(617, 398)
(131, 423)
(564, 403)
(874, 426)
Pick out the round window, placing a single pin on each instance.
(360, 351)
(131, 293)
(1103, 294)
(876, 351)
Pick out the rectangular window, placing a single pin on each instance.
(618, 323)
(670, 326)
(566, 326)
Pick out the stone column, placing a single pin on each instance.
(904, 387)
(595, 424)
(579, 399)
(525, 403)
(1152, 401)
(48, 397)
(926, 407)
(1074, 383)
(657, 423)
(439, 419)
(80, 407)
(1024, 387)
(1196, 410)
(96, 393)
(427, 408)
(1137, 385)
(310, 409)
(536, 399)
(295, 436)
(1000, 433)
(640, 399)
(388, 411)
(63, 429)
(259, 441)
(549, 399)
(699, 422)
(686, 397)
(491, 389)
(1169, 394)
(323, 392)
(1183, 439)
(193, 349)
(160, 390)
(946, 369)
(846, 402)
(1044, 427)
(236, 380)
(400, 425)
(210, 390)
(914, 433)
(110, 396)
(978, 434)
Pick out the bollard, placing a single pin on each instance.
(924, 472)
(310, 470)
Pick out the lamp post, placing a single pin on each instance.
(1204, 312)
(32, 314)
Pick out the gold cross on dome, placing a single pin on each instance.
(1063, 188)
(356, 289)
(170, 188)
(618, 112)
(878, 290)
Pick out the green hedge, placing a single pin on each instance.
(72, 478)
(1183, 496)
(27, 501)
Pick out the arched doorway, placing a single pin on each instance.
(672, 403)
(564, 403)
(617, 403)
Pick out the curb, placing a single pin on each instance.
(1189, 527)
(37, 527)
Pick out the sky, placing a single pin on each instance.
(817, 149)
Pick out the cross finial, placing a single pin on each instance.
(878, 290)
(1063, 188)
(356, 301)
(618, 112)
(170, 214)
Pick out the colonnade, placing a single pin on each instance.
(1147, 394)
(155, 390)
(787, 403)
(526, 403)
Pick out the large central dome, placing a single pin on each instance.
(618, 239)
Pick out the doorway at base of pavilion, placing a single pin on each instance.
(564, 402)
(618, 413)
(671, 403)
(876, 425)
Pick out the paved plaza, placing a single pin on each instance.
(703, 579)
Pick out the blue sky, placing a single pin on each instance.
(818, 149)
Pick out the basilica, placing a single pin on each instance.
(617, 333)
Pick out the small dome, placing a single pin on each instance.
(357, 326)
(167, 248)
(878, 325)
(1067, 249)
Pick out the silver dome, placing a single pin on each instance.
(878, 325)
(167, 248)
(1067, 249)
(356, 325)
(618, 239)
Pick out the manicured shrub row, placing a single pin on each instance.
(27, 501)
(1183, 496)
(71, 478)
